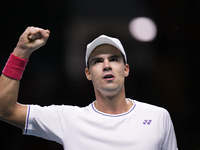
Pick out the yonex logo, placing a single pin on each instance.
(147, 122)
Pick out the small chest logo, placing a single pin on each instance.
(147, 122)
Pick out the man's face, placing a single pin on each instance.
(107, 69)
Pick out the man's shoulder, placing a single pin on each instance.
(146, 107)
(56, 109)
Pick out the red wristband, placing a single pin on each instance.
(15, 67)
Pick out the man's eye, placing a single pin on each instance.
(114, 59)
(97, 61)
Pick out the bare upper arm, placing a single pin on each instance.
(18, 117)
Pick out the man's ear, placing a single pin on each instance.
(126, 70)
(87, 73)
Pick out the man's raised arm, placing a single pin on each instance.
(10, 110)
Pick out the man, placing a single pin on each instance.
(112, 121)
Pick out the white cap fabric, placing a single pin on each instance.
(103, 39)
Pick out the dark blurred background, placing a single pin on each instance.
(164, 72)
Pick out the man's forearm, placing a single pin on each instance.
(9, 89)
(10, 110)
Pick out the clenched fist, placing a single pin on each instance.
(32, 39)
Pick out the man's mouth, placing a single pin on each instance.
(108, 76)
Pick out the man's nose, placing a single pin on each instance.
(106, 65)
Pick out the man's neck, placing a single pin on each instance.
(112, 104)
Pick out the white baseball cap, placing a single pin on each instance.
(103, 39)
